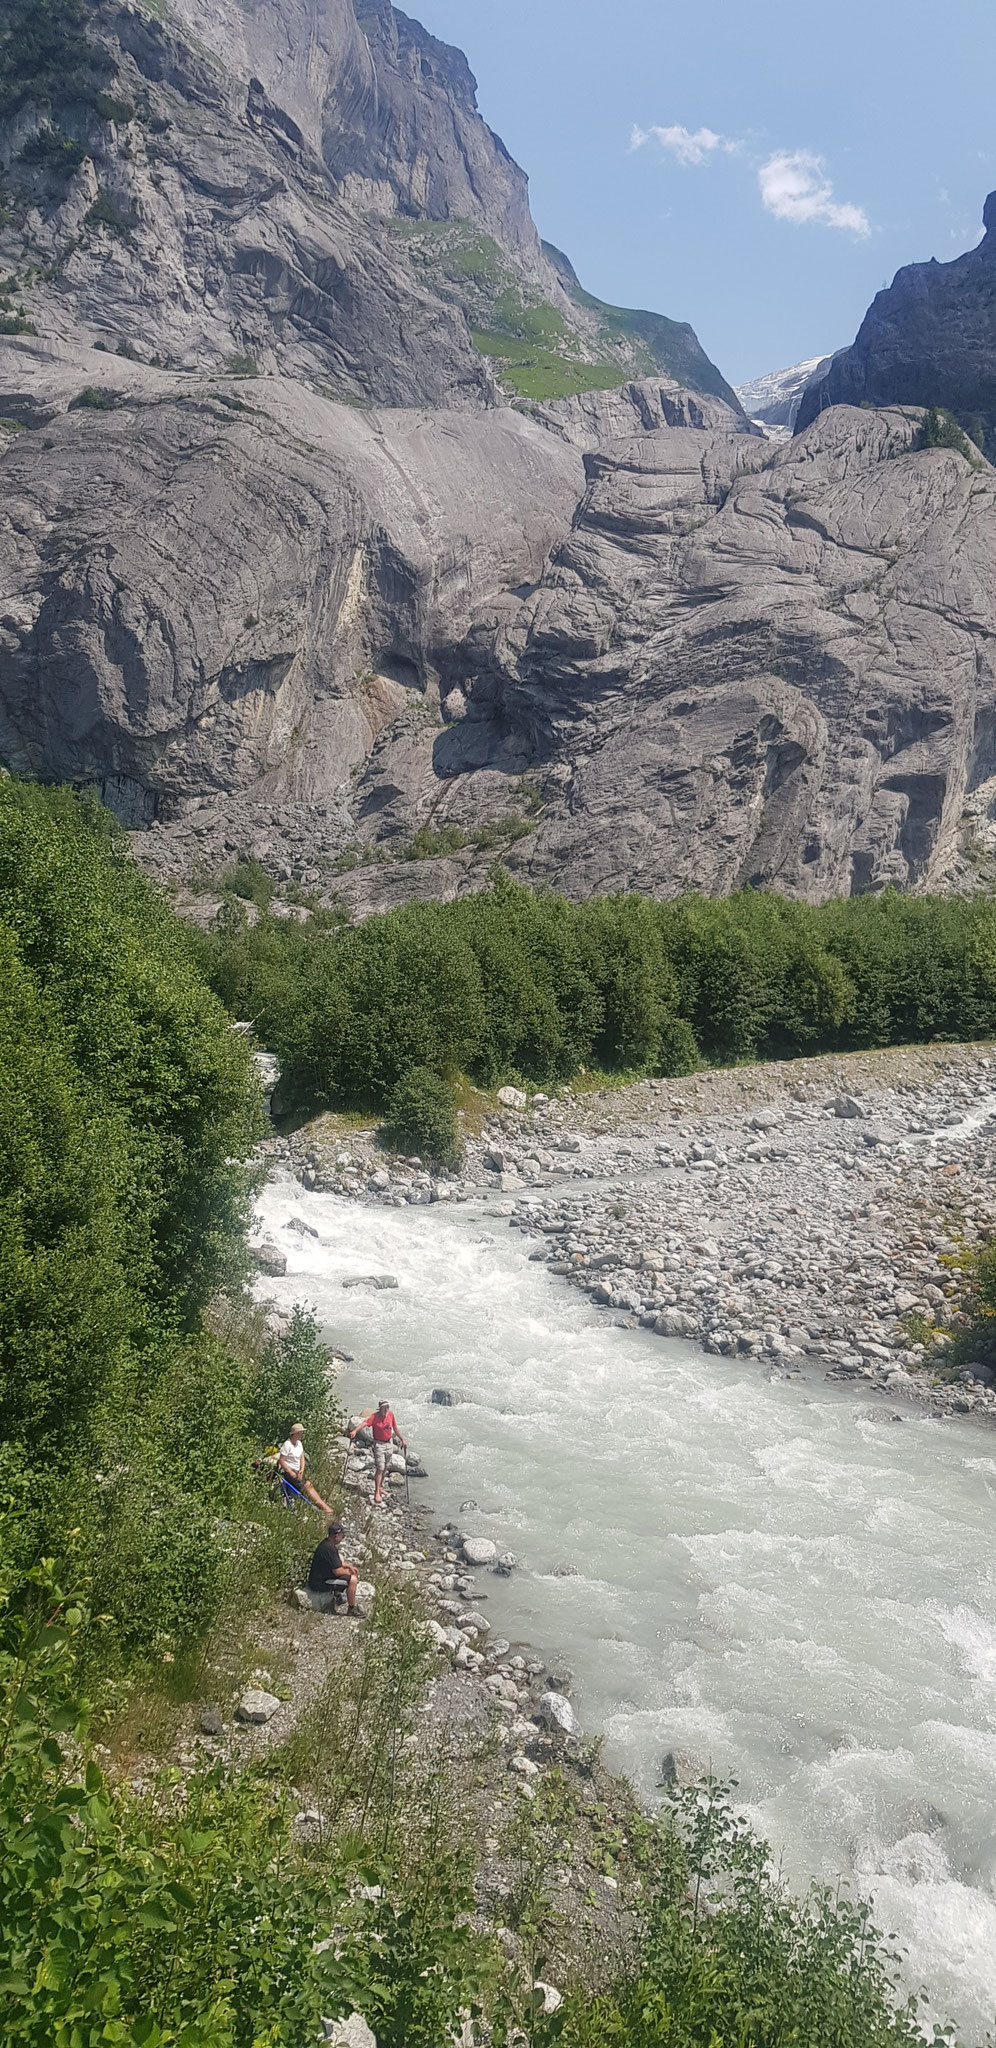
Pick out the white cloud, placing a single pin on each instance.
(794, 186)
(689, 146)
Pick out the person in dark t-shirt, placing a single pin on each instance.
(327, 1567)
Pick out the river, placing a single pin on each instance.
(770, 1575)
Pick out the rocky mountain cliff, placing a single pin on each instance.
(340, 527)
(930, 339)
(297, 186)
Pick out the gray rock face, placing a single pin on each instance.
(253, 196)
(929, 339)
(614, 639)
(196, 599)
(744, 667)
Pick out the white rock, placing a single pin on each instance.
(256, 1706)
(512, 1098)
(352, 2032)
(479, 1550)
(552, 1999)
(556, 1712)
(524, 1765)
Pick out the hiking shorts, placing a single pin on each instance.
(382, 1456)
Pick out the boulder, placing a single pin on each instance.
(441, 1397)
(268, 1258)
(479, 1550)
(553, 1711)
(524, 1765)
(512, 1098)
(211, 1721)
(256, 1706)
(673, 1322)
(845, 1106)
(378, 1281)
(505, 1564)
(303, 1229)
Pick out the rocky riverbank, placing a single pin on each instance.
(810, 1212)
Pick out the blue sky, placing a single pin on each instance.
(794, 154)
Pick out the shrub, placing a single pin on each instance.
(105, 214)
(727, 1955)
(241, 366)
(94, 398)
(940, 429)
(421, 1117)
(292, 1382)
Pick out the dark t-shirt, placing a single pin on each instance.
(325, 1561)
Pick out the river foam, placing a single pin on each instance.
(764, 1575)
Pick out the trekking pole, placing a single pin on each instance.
(289, 1484)
(408, 1491)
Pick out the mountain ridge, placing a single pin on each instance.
(341, 533)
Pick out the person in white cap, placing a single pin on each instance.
(293, 1462)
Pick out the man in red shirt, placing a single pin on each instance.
(385, 1429)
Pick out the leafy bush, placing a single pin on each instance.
(728, 1956)
(421, 1117)
(291, 1382)
(104, 213)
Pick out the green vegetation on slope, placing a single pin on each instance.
(188, 1917)
(128, 1109)
(44, 51)
(651, 340)
(538, 350)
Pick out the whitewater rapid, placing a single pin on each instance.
(772, 1577)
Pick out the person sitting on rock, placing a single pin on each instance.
(328, 1569)
(293, 1464)
(385, 1429)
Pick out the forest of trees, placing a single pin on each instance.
(514, 986)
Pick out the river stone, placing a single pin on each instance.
(845, 1106)
(211, 1721)
(268, 1258)
(512, 1098)
(674, 1323)
(303, 1229)
(256, 1707)
(375, 1280)
(555, 1712)
(479, 1550)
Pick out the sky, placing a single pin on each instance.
(758, 167)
